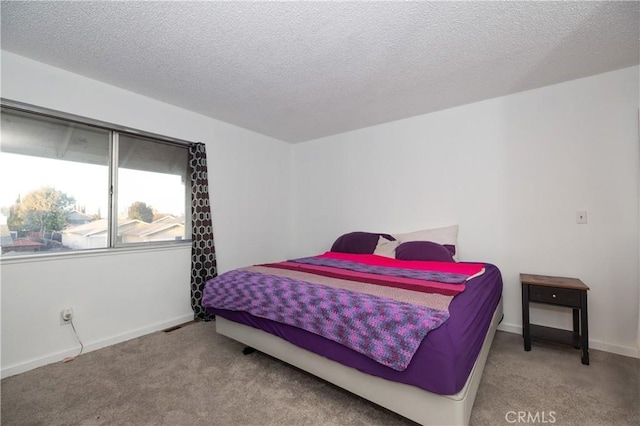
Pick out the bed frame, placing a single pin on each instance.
(409, 401)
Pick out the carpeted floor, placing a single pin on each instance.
(192, 376)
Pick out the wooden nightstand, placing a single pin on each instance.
(558, 291)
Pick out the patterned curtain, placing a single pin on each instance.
(203, 252)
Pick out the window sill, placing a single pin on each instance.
(44, 257)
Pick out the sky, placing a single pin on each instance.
(88, 184)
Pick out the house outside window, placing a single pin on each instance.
(69, 186)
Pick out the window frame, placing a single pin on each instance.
(115, 131)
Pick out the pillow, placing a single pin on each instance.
(446, 236)
(358, 242)
(386, 248)
(423, 250)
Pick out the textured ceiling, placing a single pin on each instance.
(301, 70)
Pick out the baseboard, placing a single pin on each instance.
(91, 346)
(510, 328)
(593, 344)
(614, 349)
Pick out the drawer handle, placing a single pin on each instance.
(554, 296)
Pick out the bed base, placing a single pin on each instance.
(416, 404)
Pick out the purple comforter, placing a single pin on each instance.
(385, 330)
(443, 360)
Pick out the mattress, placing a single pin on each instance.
(443, 360)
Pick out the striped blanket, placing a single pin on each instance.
(380, 307)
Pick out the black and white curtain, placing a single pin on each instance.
(203, 252)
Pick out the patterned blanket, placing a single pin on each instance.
(433, 277)
(384, 322)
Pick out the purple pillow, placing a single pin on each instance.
(451, 248)
(359, 242)
(423, 250)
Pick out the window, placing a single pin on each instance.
(57, 173)
(151, 196)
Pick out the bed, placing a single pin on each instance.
(435, 386)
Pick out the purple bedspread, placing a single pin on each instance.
(383, 329)
(443, 360)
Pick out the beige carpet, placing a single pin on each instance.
(192, 376)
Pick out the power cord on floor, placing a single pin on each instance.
(71, 358)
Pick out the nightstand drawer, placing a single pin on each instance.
(554, 296)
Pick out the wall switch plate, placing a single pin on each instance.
(581, 217)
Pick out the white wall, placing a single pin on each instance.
(120, 296)
(512, 172)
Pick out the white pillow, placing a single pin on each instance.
(446, 235)
(386, 248)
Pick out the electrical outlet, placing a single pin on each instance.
(65, 316)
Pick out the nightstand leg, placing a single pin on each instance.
(526, 329)
(585, 329)
(576, 328)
